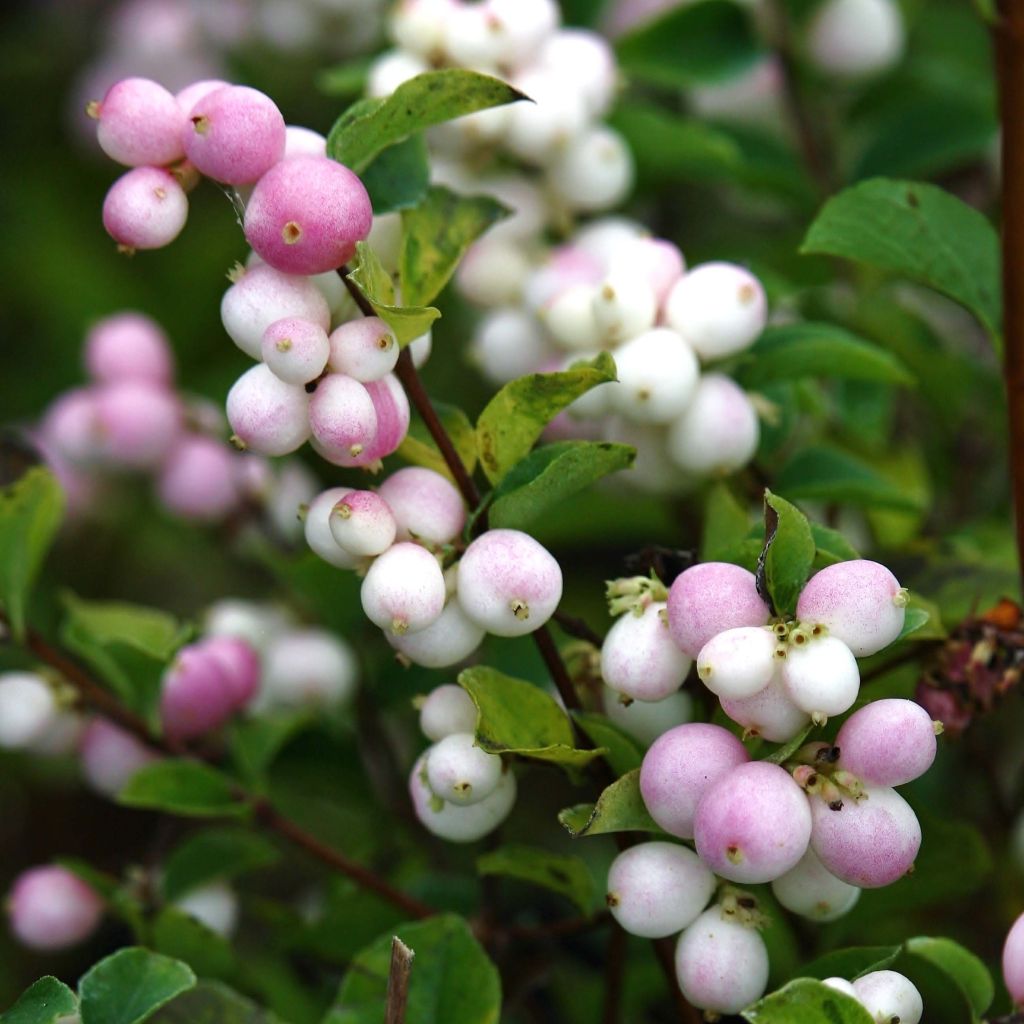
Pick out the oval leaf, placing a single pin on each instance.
(565, 874)
(788, 554)
(807, 1000)
(398, 178)
(620, 808)
(42, 1003)
(623, 752)
(129, 986)
(182, 787)
(213, 1003)
(214, 854)
(970, 974)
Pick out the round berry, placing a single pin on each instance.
(308, 668)
(50, 908)
(639, 658)
(362, 524)
(889, 996)
(110, 757)
(138, 424)
(257, 624)
(295, 349)
(1013, 961)
(196, 695)
(145, 209)
(197, 480)
(625, 306)
(854, 38)
(537, 131)
(508, 343)
(299, 141)
(570, 319)
(586, 63)
(318, 533)
(452, 638)
(188, 97)
(738, 662)
(658, 261)
(460, 772)
(840, 985)
(240, 663)
(268, 416)
(392, 69)
(594, 171)
(769, 714)
(658, 375)
(811, 891)
(342, 419)
(646, 720)
(493, 272)
(128, 346)
(140, 123)
(447, 710)
(214, 906)
(426, 505)
(364, 349)
(404, 589)
(821, 676)
(71, 427)
(391, 407)
(887, 742)
(28, 709)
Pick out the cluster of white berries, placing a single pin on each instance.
(887, 995)
(614, 288)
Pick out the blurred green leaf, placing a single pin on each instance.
(212, 1003)
(804, 1001)
(129, 986)
(419, 448)
(782, 754)
(619, 808)
(398, 178)
(788, 554)
(565, 874)
(969, 973)
(726, 523)
(212, 855)
(256, 742)
(182, 787)
(45, 1002)
(623, 752)
(830, 546)
(851, 963)
(179, 935)
(347, 79)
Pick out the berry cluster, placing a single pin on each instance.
(614, 288)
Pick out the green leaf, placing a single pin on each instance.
(179, 935)
(620, 808)
(129, 986)
(705, 42)
(788, 554)
(515, 417)
(726, 523)
(214, 854)
(820, 473)
(916, 231)
(793, 351)
(256, 742)
(430, 98)
(370, 277)
(851, 963)
(552, 473)
(31, 510)
(348, 79)
(452, 978)
(565, 874)
(398, 178)
(830, 546)
(213, 1003)
(623, 752)
(782, 754)
(805, 1001)
(516, 717)
(419, 448)
(183, 787)
(916, 618)
(436, 235)
(969, 973)
(44, 1002)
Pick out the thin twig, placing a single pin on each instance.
(576, 627)
(398, 981)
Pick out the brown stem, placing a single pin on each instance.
(398, 981)
(1009, 40)
(556, 667)
(577, 628)
(614, 970)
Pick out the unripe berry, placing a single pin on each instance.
(856, 37)
(426, 505)
(306, 214)
(718, 431)
(658, 375)
(110, 757)
(859, 601)
(460, 824)
(769, 714)
(594, 171)
(718, 308)
(240, 663)
(569, 317)
(738, 663)
(364, 349)
(50, 908)
(404, 590)
(639, 658)
(138, 424)
(342, 419)
(295, 349)
(128, 346)
(508, 343)
(508, 583)
(214, 905)
(318, 533)
(810, 890)
(28, 709)
(299, 141)
(452, 638)
(887, 742)
(871, 841)
(146, 208)
(1013, 961)
(493, 272)
(538, 130)
(235, 135)
(447, 710)
(461, 772)
(197, 480)
(656, 889)
(196, 695)
(256, 624)
(681, 766)
(391, 407)
(721, 964)
(362, 524)
(624, 306)
(710, 598)
(308, 668)
(821, 676)
(263, 295)
(266, 415)
(646, 720)
(889, 996)
(139, 123)
(658, 261)
(392, 69)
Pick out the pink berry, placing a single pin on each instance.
(887, 742)
(139, 123)
(234, 134)
(461, 772)
(146, 208)
(681, 766)
(306, 215)
(646, 720)
(404, 589)
(769, 714)
(639, 658)
(871, 841)
(391, 407)
(300, 141)
(567, 265)
(810, 890)
(342, 419)
(268, 416)
(658, 260)
(110, 757)
(50, 908)
(128, 346)
(710, 598)
(739, 662)
(318, 533)
(364, 349)
(188, 97)
(295, 349)
(308, 668)
(240, 663)
(363, 524)
(452, 638)
(138, 424)
(425, 504)
(753, 824)
(1013, 961)
(860, 602)
(71, 426)
(196, 694)
(198, 479)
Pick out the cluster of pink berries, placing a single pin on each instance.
(614, 288)
(459, 791)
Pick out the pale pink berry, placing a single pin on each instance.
(566, 266)
(404, 589)
(585, 62)
(391, 407)
(263, 295)
(308, 668)
(624, 306)
(257, 624)
(28, 709)
(365, 349)
(138, 424)
(342, 419)
(128, 346)
(821, 676)
(214, 905)
(871, 841)
(594, 171)
(447, 709)
(110, 757)
(718, 432)
(452, 638)
(810, 890)
(889, 996)
(769, 713)
(681, 766)
(71, 427)
(840, 985)
(188, 97)
(658, 375)
(241, 665)
(739, 662)
(1013, 961)
(317, 529)
(140, 123)
(234, 134)
(639, 658)
(509, 583)
(299, 141)
(508, 343)
(426, 505)
(656, 889)
(710, 598)
(306, 214)
(197, 481)
(146, 208)
(362, 524)
(660, 262)
(50, 908)
(196, 695)
(859, 601)
(268, 416)
(646, 720)
(461, 772)
(295, 349)
(887, 742)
